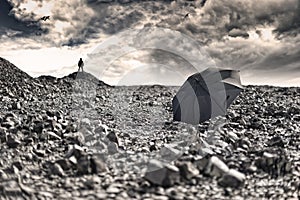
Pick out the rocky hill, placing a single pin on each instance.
(76, 137)
(14, 82)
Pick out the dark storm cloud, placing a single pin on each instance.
(114, 22)
(232, 31)
(280, 60)
(225, 16)
(222, 27)
(291, 25)
(20, 27)
(215, 20)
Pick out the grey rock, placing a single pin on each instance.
(84, 165)
(169, 153)
(232, 178)
(274, 164)
(53, 136)
(25, 189)
(75, 150)
(73, 160)
(13, 143)
(162, 174)
(216, 167)
(76, 138)
(100, 146)
(85, 122)
(113, 189)
(46, 194)
(233, 136)
(16, 106)
(10, 115)
(38, 127)
(39, 152)
(18, 164)
(56, 169)
(97, 165)
(3, 135)
(113, 137)
(8, 124)
(13, 192)
(187, 170)
(3, 175)
(201, 163)
(64, 163)
(102, 129)
(276, 141)
(112, 148)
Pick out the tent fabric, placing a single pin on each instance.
(206, 95)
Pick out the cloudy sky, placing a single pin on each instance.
(133, 42)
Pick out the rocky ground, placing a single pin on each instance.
(78, 138)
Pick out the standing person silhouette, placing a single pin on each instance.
(80, 65)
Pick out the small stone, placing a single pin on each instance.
(10, 115)
(205, 151)
(76, 138)
(76, 151)
(201, 163)
(38, 127)
(113, 137)
(188, 170)
(97, 165)
(50, 113)
(64, 163)
(100, 195)
(3, 175)
(8, 124)
(252, 168)
(43, 136)
(233, 136)
(265, 161)
(152, 147)
(112, 190)
(232, 178)
(102, 129)
(216, 167)
(169, 153)
(46, 194)
(3, 135)
(86, 122)
(27, 190)
(16, 106)
(73, 160)
(112, 148)
(18, 165)
(276, 141)
(39, 152)
(13, 143)
(12, 191)
(162, 174)
(83, 165)
(56, 169)
(53, 136)
(99, 146)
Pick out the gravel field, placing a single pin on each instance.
(77, 138)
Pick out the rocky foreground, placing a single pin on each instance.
(77, 138)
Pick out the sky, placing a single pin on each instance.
(145, 42)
